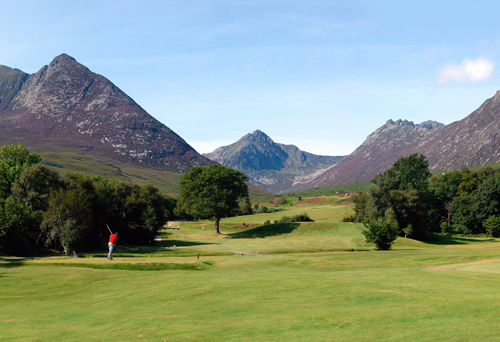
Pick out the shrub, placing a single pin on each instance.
(381, 233)
(285, 219)
(267, 223)
(281, 201)
(296, 218)
(446, 229)
(350, 218)
(302, 218)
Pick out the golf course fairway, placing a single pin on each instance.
(312, 281)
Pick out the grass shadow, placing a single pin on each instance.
(183, 243)
(265, 231)
(436, 239)
(10, 263)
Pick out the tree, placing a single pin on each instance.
(34, 186)
(406, 173)
(14, 159)
(68, 219)
(19, 228)
(402, 189)
(409, 210)
(381, 232)
(212, 191)
(492, 225)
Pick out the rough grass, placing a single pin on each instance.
(261, 286)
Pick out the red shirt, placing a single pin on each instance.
(113, 238)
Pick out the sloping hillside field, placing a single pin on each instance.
(315, 281)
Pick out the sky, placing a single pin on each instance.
(321, 75)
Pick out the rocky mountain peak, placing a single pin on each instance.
(399, 122)
(261, 137)
(66, 101)
(273, 166)
(430, 125)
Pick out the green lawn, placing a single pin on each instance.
(307, 282)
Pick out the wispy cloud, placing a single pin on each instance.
(469, 71)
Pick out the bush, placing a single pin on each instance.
(267, 223)
(350, 218)
(492, 225)
(381, 233)
(302, 218)
(296, 218)
(281, 201)
(446, 229)
(285, 219)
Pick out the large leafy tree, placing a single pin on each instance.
(68, 219)
(14, 159)
(212, 191)
(402, 189)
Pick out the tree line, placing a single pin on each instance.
(406, 200)
(39, 208)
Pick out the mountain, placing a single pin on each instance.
(472, 141)
(273, 166)
(65, 103)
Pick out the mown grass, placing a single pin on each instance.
(315, 281)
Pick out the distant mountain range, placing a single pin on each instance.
(472, 141)
(65, 103)
(273, 166)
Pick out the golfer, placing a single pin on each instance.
(111, 244)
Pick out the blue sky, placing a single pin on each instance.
(321, 75)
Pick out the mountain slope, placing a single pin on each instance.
(66, 103)
(272, 166)
(472, 141)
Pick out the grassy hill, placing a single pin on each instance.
(315, 281)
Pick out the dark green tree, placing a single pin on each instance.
(403, 188)
(406, 173)
(469, 184)
(487, 199)
(409, 211)
(212, 191)
(492, 226)
(34, 186)
(68, 219)
(14, 159)
(19, 228)
(464, 219)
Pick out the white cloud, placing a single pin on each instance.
(469, 71)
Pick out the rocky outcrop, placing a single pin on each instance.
(272, 166)
(64, 102)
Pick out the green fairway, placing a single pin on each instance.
(315, 281)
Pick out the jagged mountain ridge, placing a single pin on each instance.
(472, 141)
(273, 166)
(64, 102)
